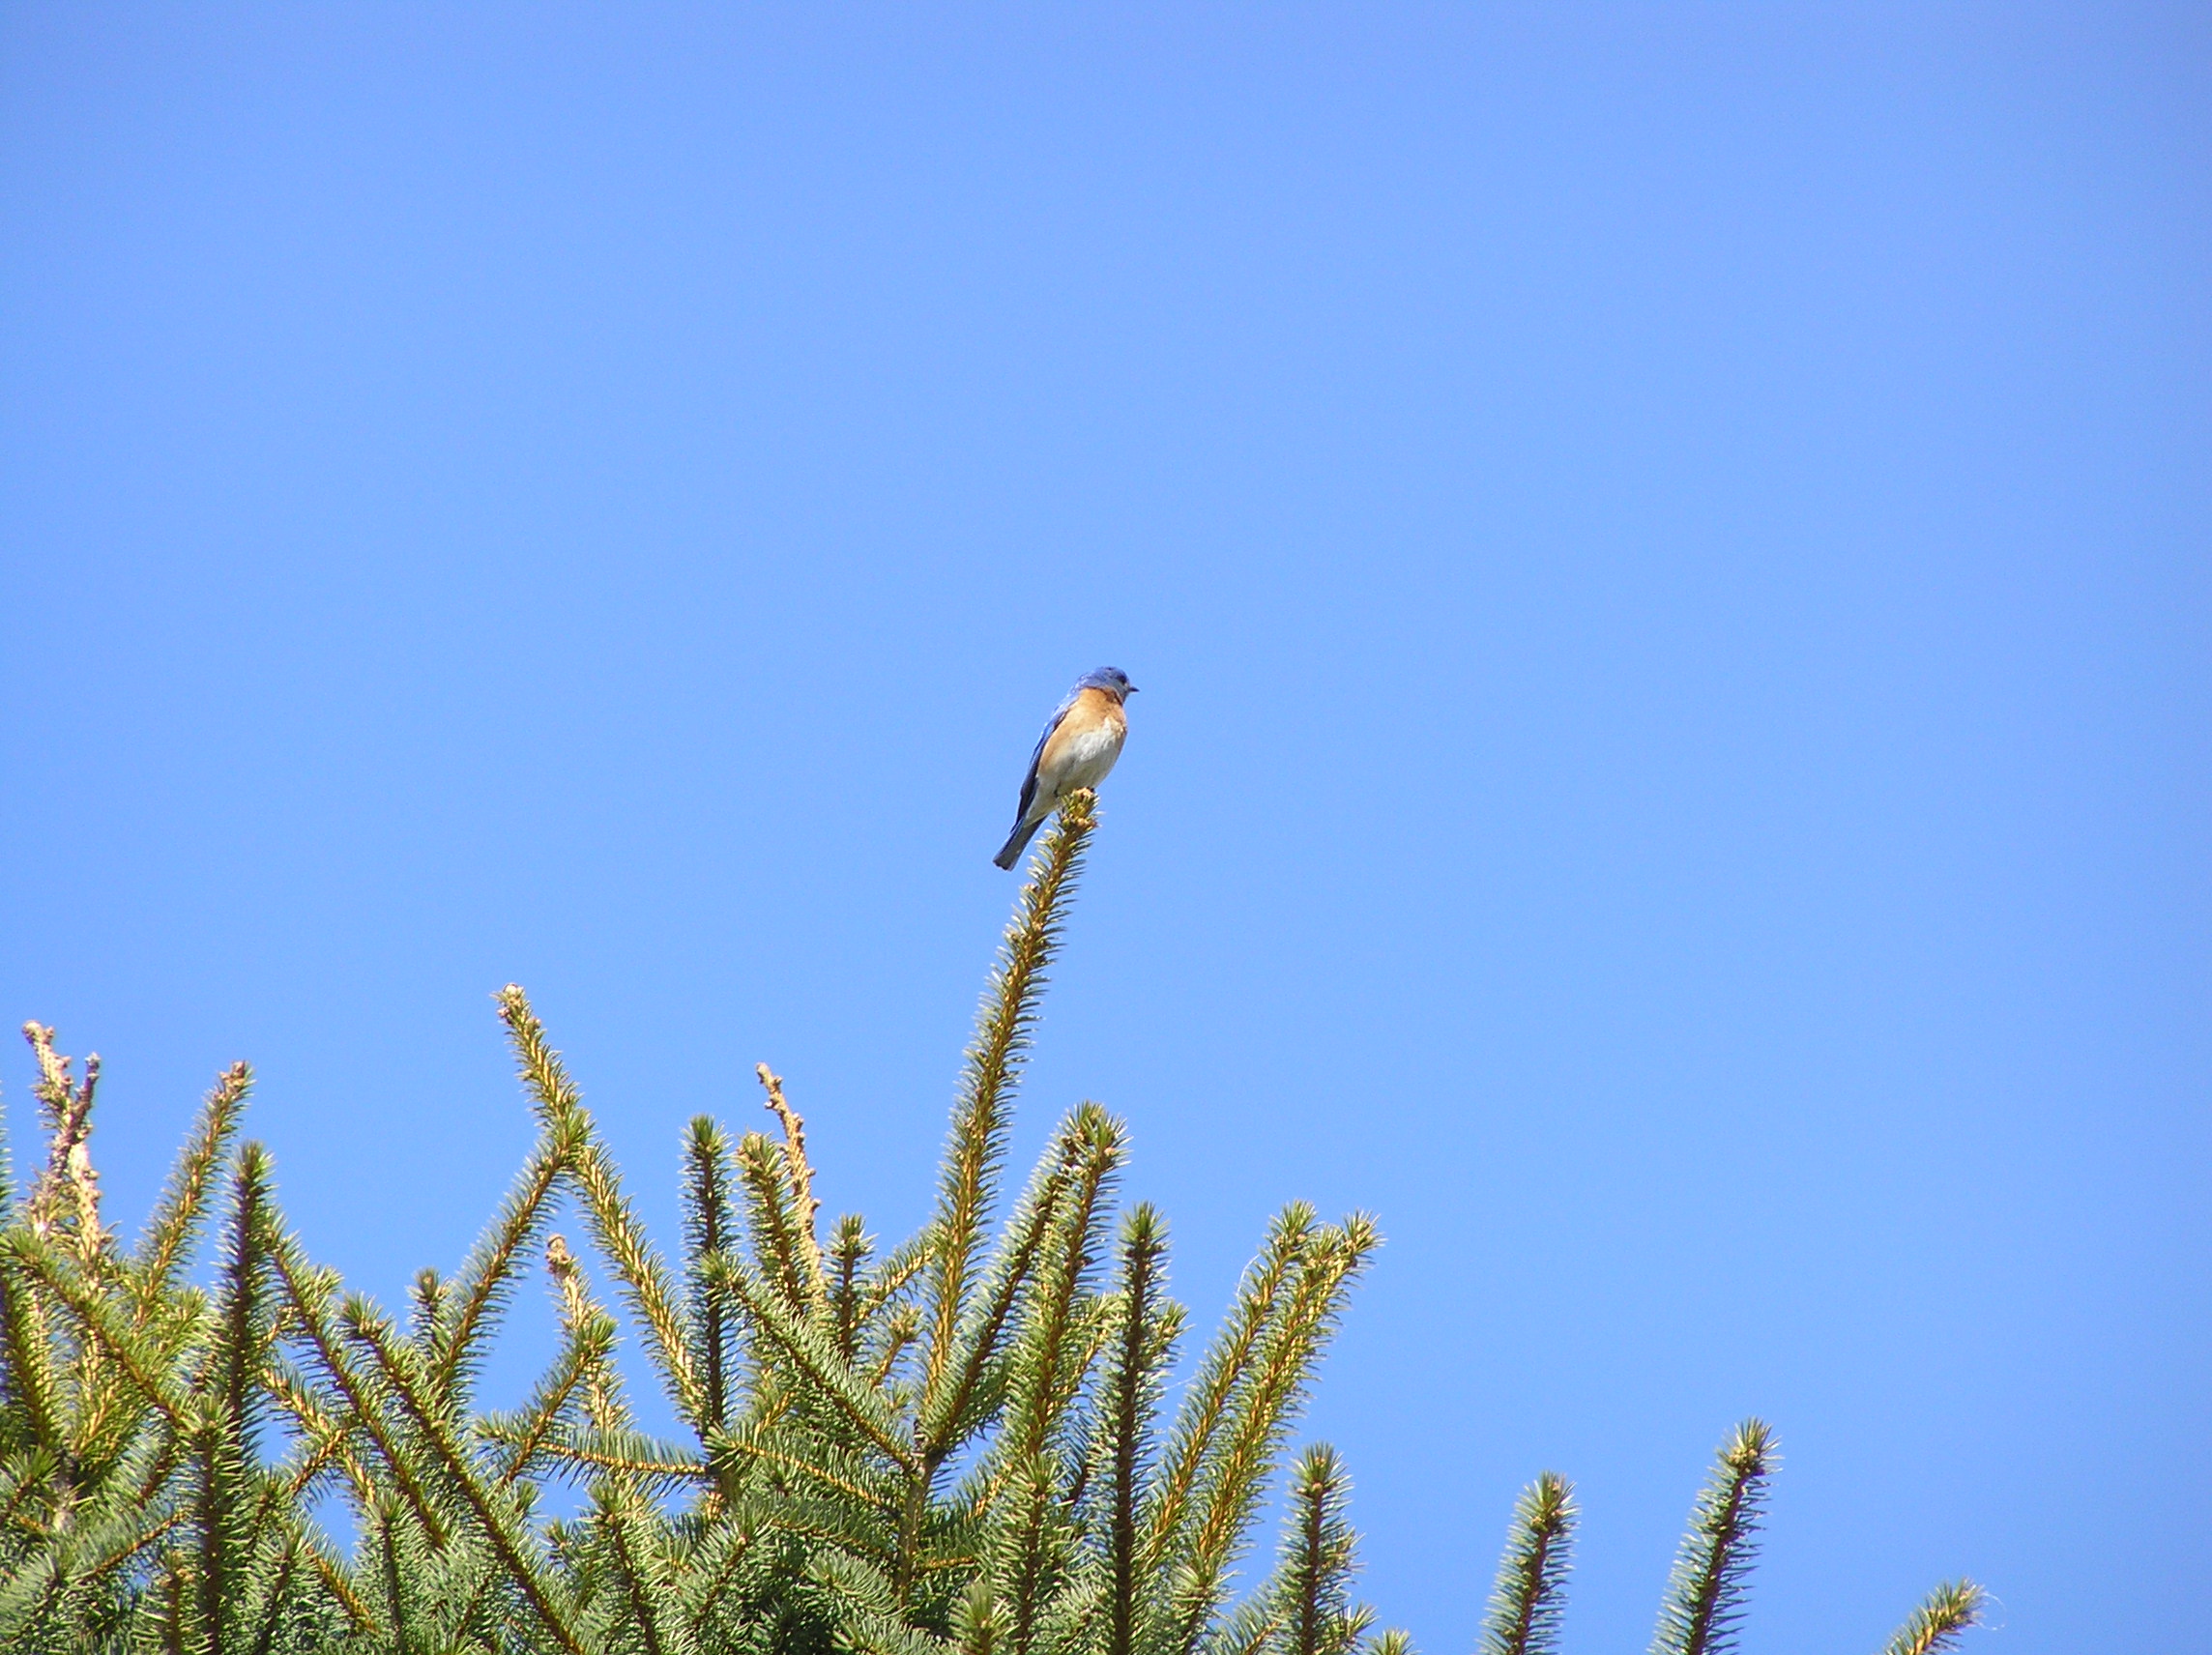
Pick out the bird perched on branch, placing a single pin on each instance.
(1078, 748)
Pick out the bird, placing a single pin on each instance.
(1079, 746)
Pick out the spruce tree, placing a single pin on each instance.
(968, 1442)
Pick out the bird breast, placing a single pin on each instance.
(1085, 751)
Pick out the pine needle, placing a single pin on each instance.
(1530, 1594)
(1942, 1616)
(1705, 1598)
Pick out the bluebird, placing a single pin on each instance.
(1078, 748)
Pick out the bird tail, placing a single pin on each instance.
(1023, 833)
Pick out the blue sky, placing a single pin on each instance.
(1666, 554)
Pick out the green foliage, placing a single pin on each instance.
(1705, 1598)
(967, 1443)
(1530, 1595)
(1935, 1626)
(1306, 1607)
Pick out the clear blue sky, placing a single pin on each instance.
(1666, 552)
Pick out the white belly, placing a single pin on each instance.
(1085, 759)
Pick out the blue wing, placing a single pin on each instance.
(1029, 781)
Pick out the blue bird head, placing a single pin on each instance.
(1111, 679)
